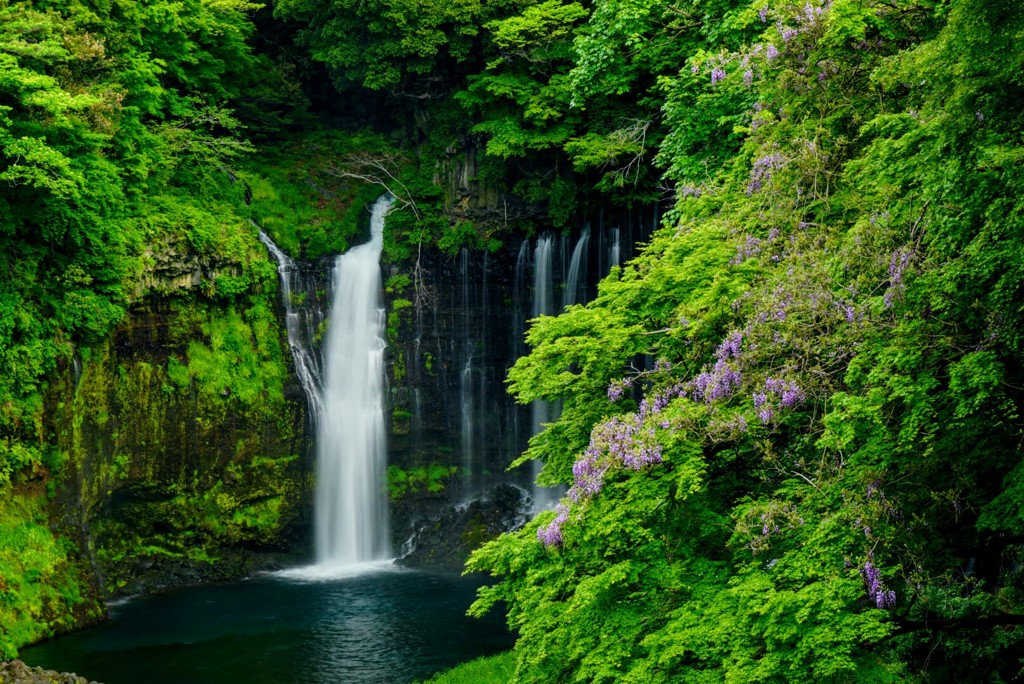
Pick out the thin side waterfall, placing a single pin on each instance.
(466, 410)
(615, 252)
(520, 300)
(576, 280)
(297, 325)
(519, 296)
(351, 522)
(543, 304)
(466, 378)
(543, 279)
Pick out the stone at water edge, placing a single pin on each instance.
(17, 672)
(445, 542)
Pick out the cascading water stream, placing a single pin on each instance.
(542, 411)
(466, 387)
(615, 252)
(299, 335)
(351, 524)
(576, 280)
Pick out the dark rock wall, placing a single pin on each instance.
(448, 361)
(176, 474)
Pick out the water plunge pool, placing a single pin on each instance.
(386, 624)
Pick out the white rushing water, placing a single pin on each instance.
(351, 522)
(615, 253)
(298, 327)
(576, 280)
(543, 411)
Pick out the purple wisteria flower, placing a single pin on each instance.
(792, 395)
(763, 15)
(588, 475)
(771, 52)
(616, 389)
(717, 74)
(762, 171)
(897, 266)
(750, 247)
(720, 382)
(777, 393)
(880, 596)
(629, 441)
(730, 347)
(551, 534)
(660, 402)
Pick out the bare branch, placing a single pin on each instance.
(382, 168)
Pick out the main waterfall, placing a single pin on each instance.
(351, 522)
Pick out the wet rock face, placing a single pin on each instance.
(174, 267)
(17, 672)
(448, 360)
(177, 472)
(446, 541)
(469, 199)
(450, 347)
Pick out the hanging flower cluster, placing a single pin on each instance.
(628, 441)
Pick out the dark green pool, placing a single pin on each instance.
(383, 625)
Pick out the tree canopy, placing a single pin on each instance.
(792, 428)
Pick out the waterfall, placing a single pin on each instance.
(517, 346)
(542, 411)
(543, 280)
(576, 280)
(519, 295)
(351, 504)
(466, 406)
(615, 253)
(466, 414)
(297, 326)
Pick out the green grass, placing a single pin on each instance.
(495, 669)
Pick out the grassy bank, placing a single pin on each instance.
(495, 669)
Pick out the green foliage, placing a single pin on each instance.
(430, 479)
(36, 573)
(398, 46)
(116, 129)
(304, 198)
(122, 128)
(818, 474)
(496, 669)
(240, 358)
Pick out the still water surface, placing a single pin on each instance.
(385, 625)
